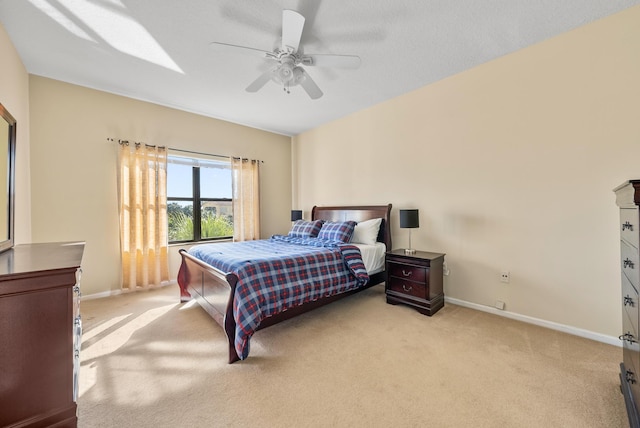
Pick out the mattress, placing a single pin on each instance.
(373, 256)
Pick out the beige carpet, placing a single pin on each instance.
(149, 361)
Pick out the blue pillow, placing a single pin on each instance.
(305, 229)
(337, 231)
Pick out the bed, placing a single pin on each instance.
(217, 289)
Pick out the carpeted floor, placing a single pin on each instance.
(149, 361)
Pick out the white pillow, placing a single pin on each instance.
(366, 232)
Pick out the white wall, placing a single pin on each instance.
(73, 167)
(511, 165)
(14, 96)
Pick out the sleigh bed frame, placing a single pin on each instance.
(214, 290)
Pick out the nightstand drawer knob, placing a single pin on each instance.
(627, 225)
(628, 263)
(405, 273)
(407, 289)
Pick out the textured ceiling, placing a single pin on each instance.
(159, 50)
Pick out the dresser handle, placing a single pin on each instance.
(628, 263)
(628, 337)
(630, 376)
(404, 273)
(628, 301)
(404, 287)
(627, 225)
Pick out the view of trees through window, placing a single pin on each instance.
(199, 204)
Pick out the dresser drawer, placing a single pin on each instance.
(630, 345)
(630, 305)
(408, 272)
(410, 288)
(632, 375)
(629, 262)
(77, 294)
(629, 228)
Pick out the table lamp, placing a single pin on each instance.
(409, 220)
(296, 215)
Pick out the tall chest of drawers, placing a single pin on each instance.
(40, 328)
(628, 199)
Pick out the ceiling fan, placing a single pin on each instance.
(288, 59)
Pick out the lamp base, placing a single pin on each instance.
(409, 251)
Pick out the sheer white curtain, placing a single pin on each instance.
(246, 199)
(142, 197)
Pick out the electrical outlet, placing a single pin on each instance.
(499, 305)
(505, 276)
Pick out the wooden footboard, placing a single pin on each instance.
(213, 290)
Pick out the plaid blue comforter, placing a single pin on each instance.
(280, 273)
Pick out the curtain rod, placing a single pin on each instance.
(211, 154)
(126, 142)
(198, 153)
(136, 143)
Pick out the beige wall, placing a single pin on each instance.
(14, 95)
(511, 165)
(73, 167)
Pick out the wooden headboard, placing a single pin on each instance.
(358, 213)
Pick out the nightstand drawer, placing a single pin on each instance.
(411, 288)
(412, 273)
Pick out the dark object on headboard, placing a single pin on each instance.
(214, 290)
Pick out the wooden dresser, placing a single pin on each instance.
(40, 329)
(628, 199)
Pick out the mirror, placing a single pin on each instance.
(7, 177)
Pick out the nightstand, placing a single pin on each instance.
(415, 280)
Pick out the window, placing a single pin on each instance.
(199, 203)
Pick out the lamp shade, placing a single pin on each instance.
(409, 219)
(296, 215)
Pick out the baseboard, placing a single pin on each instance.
(100, 295)
(117, 292)
(598, 337)
(610, 340)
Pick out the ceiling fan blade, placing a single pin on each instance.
(292, 25)
(257, 84)
(338, 61)
(226, 47)
(310, 86)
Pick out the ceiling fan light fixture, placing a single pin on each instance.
(288, 77)
(298, 75)
(285, 72)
